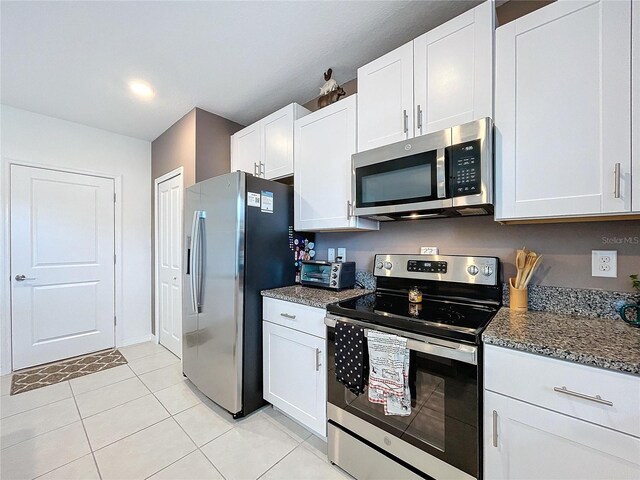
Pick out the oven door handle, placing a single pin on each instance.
(432, 346)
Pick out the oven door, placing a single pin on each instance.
(445, 406)
(408, 176)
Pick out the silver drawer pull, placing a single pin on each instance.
(286, 315)
(318, 363)
(597, 398)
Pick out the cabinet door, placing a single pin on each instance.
(453, 71)
(294, 375)
(522, 441)
(278, 143)
(385, 105)
(246, 148)
(635, 102)
(562, 111)
(324, 143)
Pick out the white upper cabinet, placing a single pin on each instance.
(453, 71)
(562, 111)
(441, 79)
(385, 91)
(265, 148)
(635, 103)
(324, 143)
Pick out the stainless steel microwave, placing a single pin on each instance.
(442, 174)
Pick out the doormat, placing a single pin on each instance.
(49, 374)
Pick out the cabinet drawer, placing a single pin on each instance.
(536, 379)
(293, 315)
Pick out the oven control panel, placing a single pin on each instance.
(442, 268)
(465, 168)
(426, 266)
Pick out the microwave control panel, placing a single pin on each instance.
(465, 168)
(426, 266)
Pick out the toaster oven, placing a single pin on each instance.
(332, 275)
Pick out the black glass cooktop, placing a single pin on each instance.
(441, 317)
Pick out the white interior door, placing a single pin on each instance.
(62, 265)
(169, 263)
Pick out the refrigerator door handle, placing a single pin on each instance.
(201, 258)
(194, 267)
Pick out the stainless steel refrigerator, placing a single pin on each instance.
(236, 244)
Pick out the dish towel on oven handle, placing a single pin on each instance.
(351, 361)
(389, 372)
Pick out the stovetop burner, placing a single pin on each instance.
(456, 304)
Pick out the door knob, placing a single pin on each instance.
(22, 278)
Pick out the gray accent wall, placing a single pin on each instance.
(213, 144)
(566, 246)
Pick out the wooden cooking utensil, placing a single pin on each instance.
(532, 269)
(521, 260)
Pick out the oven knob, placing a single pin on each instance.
(335, 269)
(472, 269)
(487, 271)
(379, 265)
(388, 265)
(333, 275)
(333, 283)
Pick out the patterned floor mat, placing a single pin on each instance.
(59, 372)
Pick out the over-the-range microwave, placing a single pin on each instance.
(442, 174)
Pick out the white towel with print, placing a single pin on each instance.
(389, 372)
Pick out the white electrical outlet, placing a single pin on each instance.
(331, 254)
(342, 252)
(428, 250)
(604, 263)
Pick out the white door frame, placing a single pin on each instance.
(156, 306)
(6, 353)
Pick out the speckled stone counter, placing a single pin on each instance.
(314, 297)
(599, 342)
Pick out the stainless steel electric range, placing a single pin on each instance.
(441, 438)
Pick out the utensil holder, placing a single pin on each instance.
(518, 297)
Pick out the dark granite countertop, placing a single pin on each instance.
(314, 297)
(599, 342)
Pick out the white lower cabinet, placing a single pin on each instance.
(294, 372)
(525, 439)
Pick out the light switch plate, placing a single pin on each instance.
(604, 263)
(342, 252)
(428, 250)
(331, 254)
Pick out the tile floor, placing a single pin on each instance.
(145, 420)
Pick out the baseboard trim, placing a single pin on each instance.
(132, 341)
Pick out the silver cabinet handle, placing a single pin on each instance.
(287, 315)
(262, 170)
(349, 209)
(597, 398)
(22, 278)
(494, 437)
(256, 173)
(318, 363)
(616, 184)
(419, 118)
(406, 121)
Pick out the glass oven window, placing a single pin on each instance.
(410, 179)
(444, 407)
(316, 273)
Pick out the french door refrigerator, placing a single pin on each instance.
(236, 244)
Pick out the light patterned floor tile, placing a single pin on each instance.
(250, 449)
(101, 379)
(317, 446)
(139, 350)
(178, 397)
(44, 453)
(203, 423)
(97, 401)
(12, 404)
(153, 362)
(194, 466)
(112, 425)
(289, 426)
(26, 425)
(144, 453)
(82, 469)
(302, 464)
(163, 377)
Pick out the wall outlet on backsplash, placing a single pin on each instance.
(342, 252)
(331, 254)
(604, 263)
(428, 250)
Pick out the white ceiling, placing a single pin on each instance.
(241, 60)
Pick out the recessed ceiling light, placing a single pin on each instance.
(141, 89)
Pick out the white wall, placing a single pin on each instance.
(30, 138)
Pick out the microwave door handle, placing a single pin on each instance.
(441, 179)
